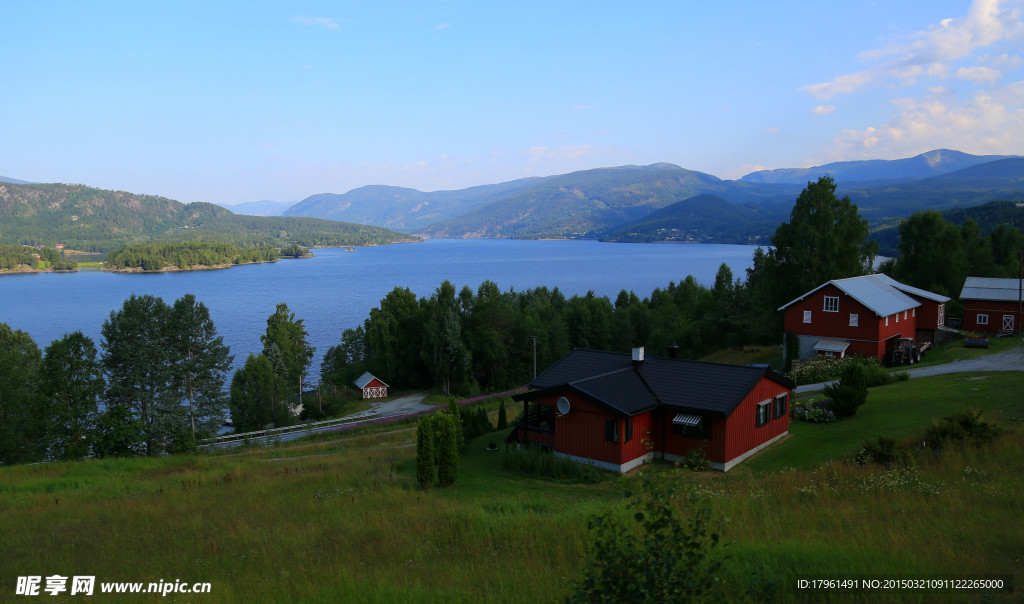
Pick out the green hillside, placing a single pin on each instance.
(97, 220)
(704, 218)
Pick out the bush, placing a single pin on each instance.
(961, 428)
(818, 412)
(697, 460)
(850, 393)
(882, 452)
(502, 415)
(661, 558)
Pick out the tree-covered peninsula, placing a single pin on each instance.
(96, 220)
(22, 258)
(192, 255)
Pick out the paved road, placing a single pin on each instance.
(1008, 360)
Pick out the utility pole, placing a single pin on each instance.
(534, 338)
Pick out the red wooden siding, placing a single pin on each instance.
(867, 338)
(995, 311)
(676, 444)
(743, 433)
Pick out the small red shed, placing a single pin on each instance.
(616, 411)
(371, 386)
(992, 305)
(862, 315)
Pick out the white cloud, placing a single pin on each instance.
(442, 26)
(927, 52)
(978, 74)
(990, 122)
(823, 109)
(327, 22)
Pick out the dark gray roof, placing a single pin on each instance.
(986, 288)
(611, 379)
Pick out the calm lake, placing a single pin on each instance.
(336, 289)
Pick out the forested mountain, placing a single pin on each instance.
(98, 220)
(592, 201)
(617, 203)
(403, 209)
(932, 163)
(705, 218)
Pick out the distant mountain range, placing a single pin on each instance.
(659, 202)
(259, 208)
(15, 181)
(98, 220)
(623, 203)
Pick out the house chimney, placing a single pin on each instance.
(638, 355)
(673, 352)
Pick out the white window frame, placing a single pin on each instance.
(807, 316)
(854, 320)
(831, 304)
(766, 408)
(982, 318)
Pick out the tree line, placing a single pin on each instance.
(183, 255)
(12, 256)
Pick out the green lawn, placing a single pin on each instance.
(901, 410)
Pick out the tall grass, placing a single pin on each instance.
(341, 519)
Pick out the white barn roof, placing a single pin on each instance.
(879, 293)
(988, 288)
(365, 379)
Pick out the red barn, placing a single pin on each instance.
(617, 412)
(371, 386)
(992, 305)
(862, 315)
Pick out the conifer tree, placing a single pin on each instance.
(448, 450)
(426, 471)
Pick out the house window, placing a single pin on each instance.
(831, 303)
(887, 321)
(905, 314)
(897, 317)
(763, 409)
(700, 428)
(982, 319)
(854, 319)
(781, 402)
(807, 316)
(629, 429)
(611, 430)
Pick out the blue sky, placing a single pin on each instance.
(240, 101)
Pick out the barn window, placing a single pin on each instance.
(807, 316)
(611, 430)
(781, 402)
(629, 430)
(982, 319)
(887, 321)
(763, 409)
(854, 319)
(831, 303)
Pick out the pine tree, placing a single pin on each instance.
(448, 450)
(502, 415)
(201, 361)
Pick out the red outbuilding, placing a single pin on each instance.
(617, 412)
(371, 386)
(992, 305)
(863, 316)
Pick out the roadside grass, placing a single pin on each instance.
(341, 519)
(901, 410)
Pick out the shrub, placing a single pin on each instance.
(817, 369)
(965, 427)
(697, 459)
(502, 415)
(661, 558)
(425, 470)
(882, 452)
(817, 412)
(850, 393)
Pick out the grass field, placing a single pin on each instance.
(338, 518)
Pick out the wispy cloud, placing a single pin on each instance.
(327, 22)
(927, 53)
(823, 109)
(442, 26)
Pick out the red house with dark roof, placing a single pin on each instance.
(618, 411)
(862, 315)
